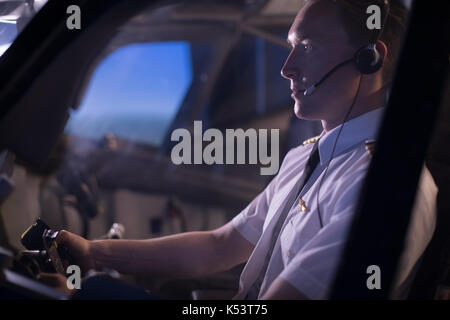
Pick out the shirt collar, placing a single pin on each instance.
(356, 130)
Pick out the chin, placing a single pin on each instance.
(303, 111)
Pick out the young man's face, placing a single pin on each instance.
(319, 42)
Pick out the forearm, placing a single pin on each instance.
(183, 255)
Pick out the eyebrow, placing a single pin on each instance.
(295, 38)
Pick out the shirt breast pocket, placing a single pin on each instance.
(296, 234)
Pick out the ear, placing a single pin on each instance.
(381, 48)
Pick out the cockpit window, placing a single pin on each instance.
(135, 93)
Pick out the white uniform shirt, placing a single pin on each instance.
(305, 255)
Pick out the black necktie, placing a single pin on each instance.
(311, 164)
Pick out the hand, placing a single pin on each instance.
(79, 248)
(56, 281)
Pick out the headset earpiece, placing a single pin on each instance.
(368, 60)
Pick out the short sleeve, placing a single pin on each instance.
(313, 268)
(249, 222)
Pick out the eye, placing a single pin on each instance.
(306, 46)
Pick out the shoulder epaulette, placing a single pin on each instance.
(311, 140)
(370, 146)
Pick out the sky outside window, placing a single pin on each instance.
(135, 93)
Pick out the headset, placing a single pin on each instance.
(367, 60)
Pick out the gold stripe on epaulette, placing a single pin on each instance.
(370, 146)
(311, 140)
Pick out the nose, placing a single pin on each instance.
(290, 70)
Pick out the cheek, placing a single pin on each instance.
(340, 87)
(312, 73)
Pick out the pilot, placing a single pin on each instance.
(292, 234)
